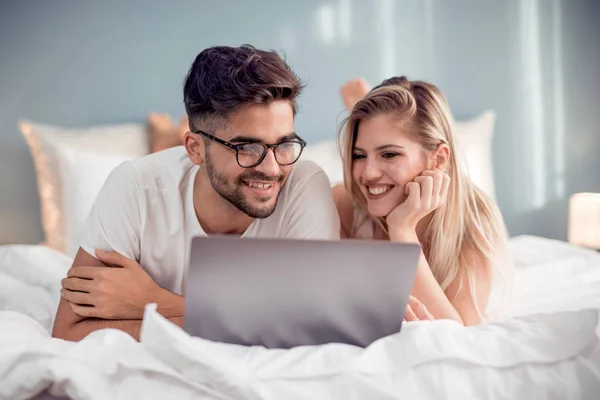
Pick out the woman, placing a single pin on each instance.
(403, 183)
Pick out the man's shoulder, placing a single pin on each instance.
(165, 158)
(305, 171)
(306, 179)
(159, 170)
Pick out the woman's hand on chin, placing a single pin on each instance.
(425, 193)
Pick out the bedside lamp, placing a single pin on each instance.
(584, 220)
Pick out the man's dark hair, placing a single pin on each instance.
(224, 79)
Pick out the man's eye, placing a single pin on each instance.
(252, 148)
(285, 146)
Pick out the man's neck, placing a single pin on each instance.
(215, 214)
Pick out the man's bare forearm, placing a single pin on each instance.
(83, 328)
(170, 306)
(119, 310)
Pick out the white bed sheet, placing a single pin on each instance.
(551, 276)
(554, 276)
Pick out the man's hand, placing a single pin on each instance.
(416, 311)
(354, 91)
(120, 291)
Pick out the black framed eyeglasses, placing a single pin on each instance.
(249, 155)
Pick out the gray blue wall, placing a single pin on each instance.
(537, 63)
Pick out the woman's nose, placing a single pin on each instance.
(371, 171)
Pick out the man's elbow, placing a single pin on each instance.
(80, 329)
(70, 332)
(76, 330)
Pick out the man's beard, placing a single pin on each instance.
(236, 195)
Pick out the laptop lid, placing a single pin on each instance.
(281, 293)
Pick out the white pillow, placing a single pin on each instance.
(71, 165)
(473, 139)
(83, 173)
(326, 154)
(543, 355)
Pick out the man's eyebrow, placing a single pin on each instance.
(244, 139)
(288, 137)
(250, 139)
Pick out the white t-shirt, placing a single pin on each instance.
(145, 211)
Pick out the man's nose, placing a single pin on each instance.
(269, 165)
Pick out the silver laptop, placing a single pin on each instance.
(282, 293)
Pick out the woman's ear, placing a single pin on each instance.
(441, 157)
(194, 145)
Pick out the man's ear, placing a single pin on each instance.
(441, 156)
(194, 145)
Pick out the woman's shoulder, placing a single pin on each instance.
(355, 224)
(345, 207)
(340, 195)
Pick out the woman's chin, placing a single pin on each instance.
(379, 211)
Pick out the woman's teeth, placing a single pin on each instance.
(377, 190)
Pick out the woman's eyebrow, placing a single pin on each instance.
(385, 146)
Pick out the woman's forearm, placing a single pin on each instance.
(425, 287)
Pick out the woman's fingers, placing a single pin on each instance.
(409, 314)
(413, 191)
(419, 309)
(441, 183)
(426, 183)
(438, 181)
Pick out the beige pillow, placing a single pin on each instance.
(71, 165)
(163, 133)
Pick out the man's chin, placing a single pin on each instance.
(261, 207)
(260, 204)
(260, 212)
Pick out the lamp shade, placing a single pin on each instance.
(584, 220)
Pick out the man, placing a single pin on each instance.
(237, 173)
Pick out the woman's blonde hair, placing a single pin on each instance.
(469, 223)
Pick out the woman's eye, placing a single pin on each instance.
(390, 155)
(357, 156)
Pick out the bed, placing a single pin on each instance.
(545, 347)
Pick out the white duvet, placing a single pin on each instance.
(548, 349)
